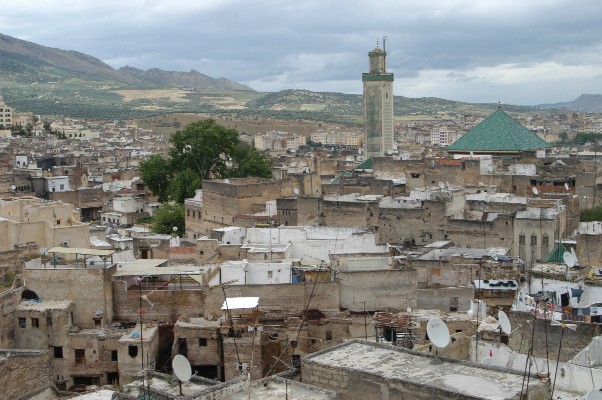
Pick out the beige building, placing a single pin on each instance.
(48, 224)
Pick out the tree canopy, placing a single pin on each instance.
(168, 217)
(201, 150)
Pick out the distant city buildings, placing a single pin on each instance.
(276, 140)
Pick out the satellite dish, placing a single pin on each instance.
(593, 395)
(181, 368)
(448, 185)
(296, 191)
(569, 261)
(574, 254)
(504, 322)
(13, 187)
(438, 332)
(487, 361)
(43, 251)
(566, 187)
(535, 191)
(226, 180)
(441, 185)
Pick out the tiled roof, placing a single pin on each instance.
(368, 164)
(498, 133)
(556, 256)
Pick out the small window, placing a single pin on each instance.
(522, 239)
(35, 323)
(80, 356)
(58, 352)
(113, 355)
(132, 351)
(202, 342)
(270, 274)
(22, 322)
(328, 335)
(533, 240)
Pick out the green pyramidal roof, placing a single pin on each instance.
(499, 133)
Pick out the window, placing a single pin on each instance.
(453, 303)
(270, 274)
(113, 355)
(522, 239)
(80, 356)
(202, 342)
(533, 240)
(22, 322)
(58, 352)
(132, 351)
(35, 323)
(328, 335)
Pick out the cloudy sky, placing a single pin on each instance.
(514, 51)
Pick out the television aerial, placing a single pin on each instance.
(535, 191)
(181, 369)
(504, 322)
(438, 333)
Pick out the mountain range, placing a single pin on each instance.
(50, 81)
(26, 62)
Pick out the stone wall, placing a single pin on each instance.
(90, 290)
(424, 225)
(24, 373)
(9, 299)
(162, 305)
(292, 298)
(377, 290)
(445, 299)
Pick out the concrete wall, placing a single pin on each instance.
(445, 299)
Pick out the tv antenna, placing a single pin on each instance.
(181, 369)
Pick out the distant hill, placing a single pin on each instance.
(25, 62)
(583, 103)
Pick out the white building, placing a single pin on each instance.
(57, 184)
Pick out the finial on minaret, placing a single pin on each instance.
(499, 104)
(377, 43)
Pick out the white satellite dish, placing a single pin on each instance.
(181, 368)
(226, 180)
(574, 254)
(566, 187)
(438, 332)
(441, 185)
(504, 322)
(535, 191)
(296, 191)
(593, 395)
(43, 251)
(487, 361)
(569, 261)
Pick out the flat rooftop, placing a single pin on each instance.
(396, 364)
(278, 389)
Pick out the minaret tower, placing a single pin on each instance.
(378, 104)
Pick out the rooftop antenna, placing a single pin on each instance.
(385, 54)
(181, 369)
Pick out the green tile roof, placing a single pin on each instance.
(498, 133)
(337, 180)
(368, 164)
(557, 255)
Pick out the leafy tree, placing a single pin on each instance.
(594, 214)
(47, 127)
(29, 129)
(168, 216)
(202, 150)
(563, 136)
(184, 185)
(248, 161)
(156, 173)
(205, 147)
